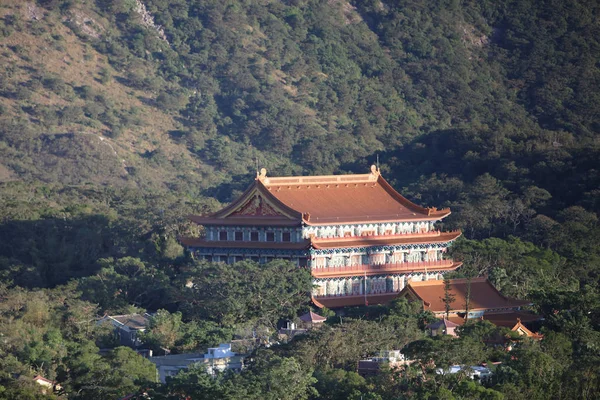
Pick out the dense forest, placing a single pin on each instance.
(120, 117)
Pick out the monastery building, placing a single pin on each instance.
(362, 240)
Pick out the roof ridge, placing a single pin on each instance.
(315, 179)
(318, 179)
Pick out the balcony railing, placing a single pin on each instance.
(323, 272)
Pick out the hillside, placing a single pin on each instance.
(189, 94)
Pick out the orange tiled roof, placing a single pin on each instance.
(346, 199)
(509, 319)
(312, 317)
(320, 200)
(523, 330)
(484, 296)
(443, 322)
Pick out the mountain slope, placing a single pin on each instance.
(189, 95)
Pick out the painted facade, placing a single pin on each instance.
(361, 239)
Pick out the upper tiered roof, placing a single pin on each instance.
(320, 200)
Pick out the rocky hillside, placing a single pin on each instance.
(189, 95)
(70, 116)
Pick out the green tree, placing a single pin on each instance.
(449, 297)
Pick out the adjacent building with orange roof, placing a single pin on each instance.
(362, 240)
(476, 298)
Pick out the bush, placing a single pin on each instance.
(54, 83)
(105, 76)
(70, 114)
(23, 93)
(171, 102)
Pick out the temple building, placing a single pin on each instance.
(362, 240)
(475, 299)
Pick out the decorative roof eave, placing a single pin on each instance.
(496, 309)
(312, 317)
(245, 221)
(384, 240)
(379, 220)
(442, 322)
(287, 213)
(507, 318)
(413, 295)
(520, 327)
(202, 243)
(401, 271)
(433, 212)
(380, 249)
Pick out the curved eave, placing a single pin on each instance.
(428, 212)
(235, 204)
(362, 241)
(408, 270)
(292, 213)
(201, 243)
(244, 221)
(289, 216)
(376, 219)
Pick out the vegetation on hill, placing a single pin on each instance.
(120, 117)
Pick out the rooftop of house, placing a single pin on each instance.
(442, 322)
(483, 295)
(312, 317)
(131, 321)
(43, 381)
(192, 358)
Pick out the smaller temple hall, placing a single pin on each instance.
(362, 240)
(474, 299)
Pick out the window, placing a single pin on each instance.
(239, 236)
(238, 258)
(223, 235)
(208, 258)
(254, 236)
(270, 236)
(286, 237)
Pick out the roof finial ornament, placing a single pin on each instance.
(377, 161)
(374, 170)
(262, 175)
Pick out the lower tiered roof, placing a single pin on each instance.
(483, 295)
(330, 243)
